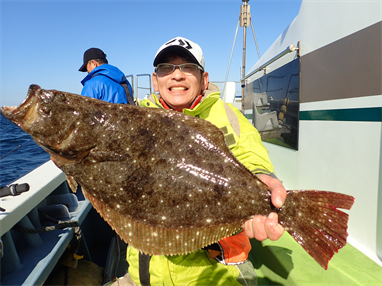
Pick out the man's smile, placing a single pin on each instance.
(178, 88)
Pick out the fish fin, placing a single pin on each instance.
(312, 218)
(72, 183)
(155, 240)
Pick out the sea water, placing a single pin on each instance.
(18, 152)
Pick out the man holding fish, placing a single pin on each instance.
(183, 85)
(182, 180)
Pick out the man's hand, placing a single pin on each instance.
(261, 227)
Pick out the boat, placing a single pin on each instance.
(316, 98)
(36, 249)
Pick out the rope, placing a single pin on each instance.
(254, 36)
(45, 229)
(58, 225)
(229, 64)
(49, 218)
(63, 224)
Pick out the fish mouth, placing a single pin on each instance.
(22, 114)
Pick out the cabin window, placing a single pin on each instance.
(272, 104)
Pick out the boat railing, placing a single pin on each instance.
(138, 87)
(288, 50)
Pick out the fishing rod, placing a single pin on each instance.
(16, 148)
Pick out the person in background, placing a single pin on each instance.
(183, 85)
(104, 81)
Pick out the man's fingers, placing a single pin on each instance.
(261, 227)
(254, 228)
(278, 192)
(272, 228)
(278, 197)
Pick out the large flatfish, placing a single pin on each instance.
(166, 182)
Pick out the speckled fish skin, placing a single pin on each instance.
(165, 181)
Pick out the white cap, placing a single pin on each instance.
(183, 45)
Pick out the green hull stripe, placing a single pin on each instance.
(373, 114)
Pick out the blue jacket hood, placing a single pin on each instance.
(104, 83)
(107, 70)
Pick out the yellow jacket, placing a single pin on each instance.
(241, 137)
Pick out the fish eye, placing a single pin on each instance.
(45, 109)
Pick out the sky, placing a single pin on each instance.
(43, 42)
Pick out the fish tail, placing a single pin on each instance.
(312, 218)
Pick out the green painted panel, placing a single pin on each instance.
(372, 114)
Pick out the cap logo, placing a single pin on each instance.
(181, 43)
(190, 49)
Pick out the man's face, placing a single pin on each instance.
(177, 89)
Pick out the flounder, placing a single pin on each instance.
(166, 182)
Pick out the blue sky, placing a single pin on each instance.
(42, 42)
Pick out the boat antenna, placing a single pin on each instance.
(245, 17)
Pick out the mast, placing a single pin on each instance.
(245, 18)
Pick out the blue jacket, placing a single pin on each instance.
(104, 83)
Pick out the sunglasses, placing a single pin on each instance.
(166, 69)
